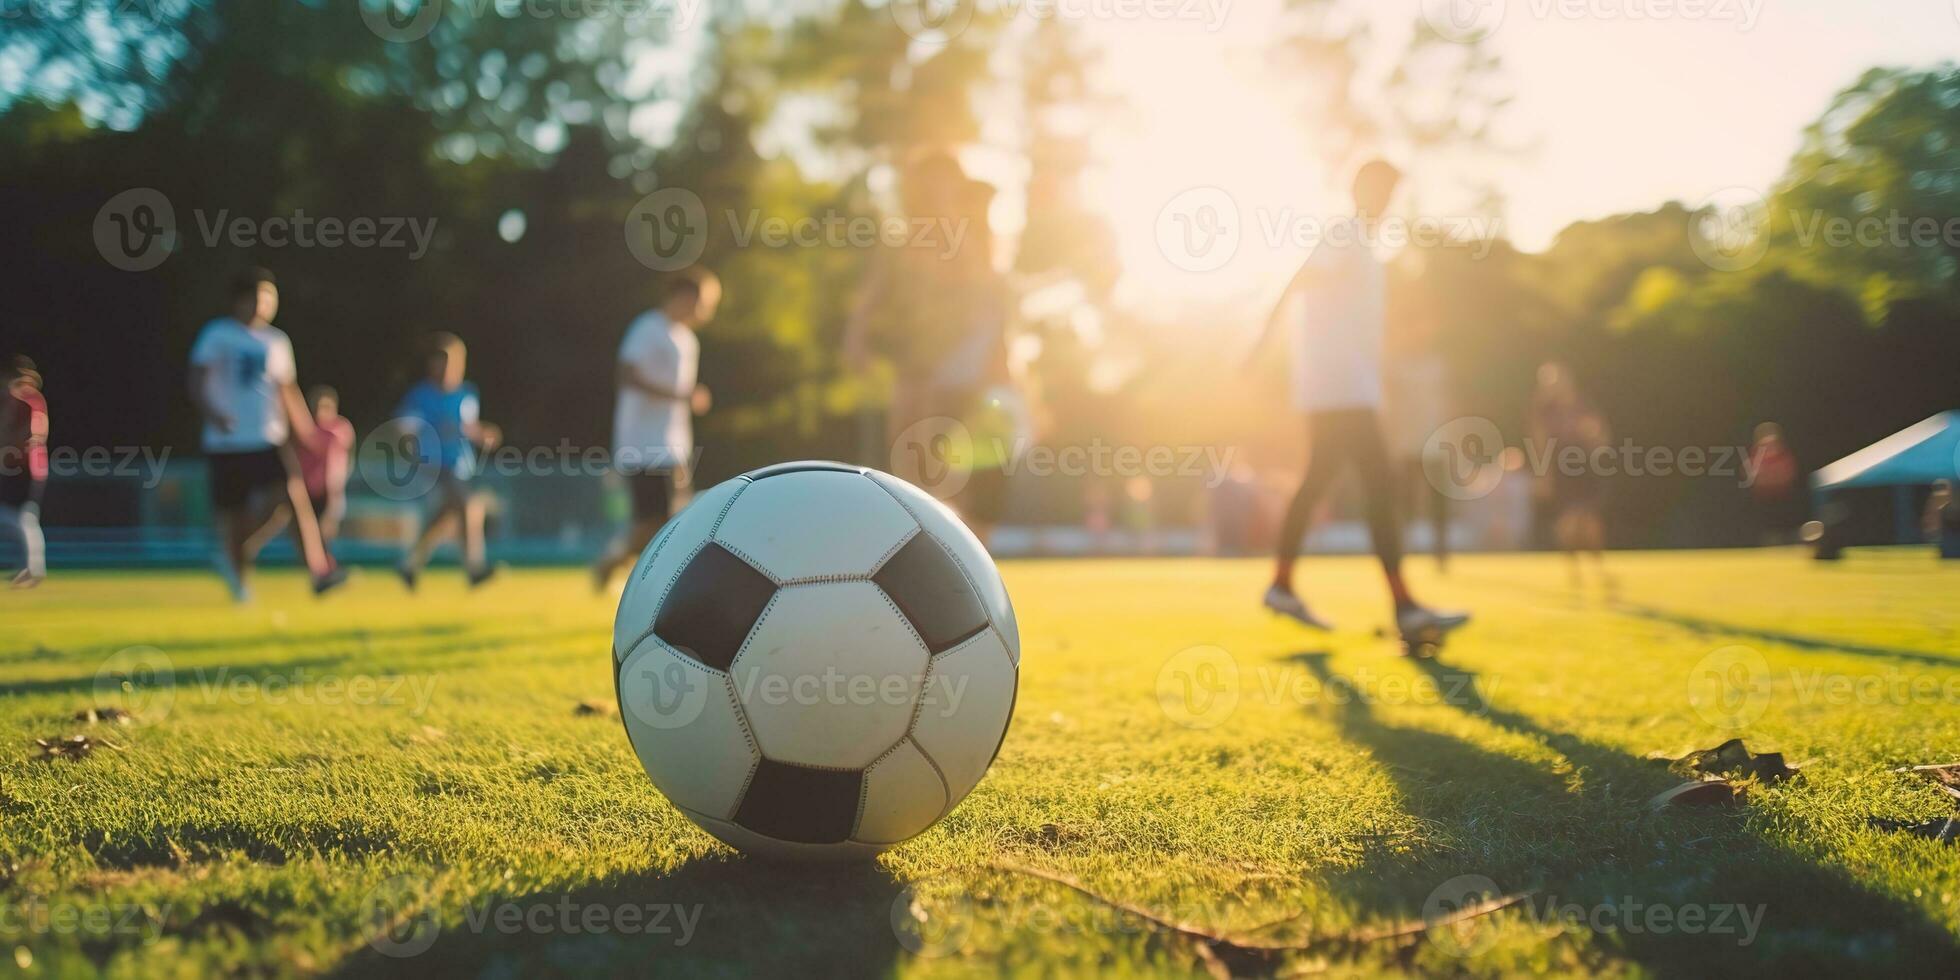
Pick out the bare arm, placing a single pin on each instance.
(296, 412)
(1305, 274)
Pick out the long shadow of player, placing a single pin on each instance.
(713, 916)
(1577, 832)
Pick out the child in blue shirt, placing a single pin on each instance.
(442, 410)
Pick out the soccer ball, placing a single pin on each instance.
(815, 661)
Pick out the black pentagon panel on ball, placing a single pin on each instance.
(801, 804)
(932, 593)
(712, 607)
(802, 466)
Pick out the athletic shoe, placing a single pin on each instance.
(1415, 621)
(481, 575)
(28, 579)
(1285, 603)
(334, 579)
(407, 575)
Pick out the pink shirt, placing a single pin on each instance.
(323, 460)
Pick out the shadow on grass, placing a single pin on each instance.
(714, 916)
(1800, 641)
(1578, 833)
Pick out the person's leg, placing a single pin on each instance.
(234, 538)
(306, 533)
(1326, 456)
(472, 516)
(1364, 439)
(1439, 523)
(437, 528)
(653, 502)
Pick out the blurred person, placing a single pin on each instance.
(653, 416)
(244, 382)
(24, 466)
(449, 407)
(1417, 404)
(1942, 518)
(325, 461)
(1774, 488)
(1561, 416)
(939, 311)
(1337, 385)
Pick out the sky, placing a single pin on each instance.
(1621, 105)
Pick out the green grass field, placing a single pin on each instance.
(395, 785)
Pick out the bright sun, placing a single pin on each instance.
(1200, 110)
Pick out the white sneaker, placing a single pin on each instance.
(1287, 604)
(1417, 621)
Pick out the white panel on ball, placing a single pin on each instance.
(704, 754)
(830, 676)
(818, 524)
(963, 712)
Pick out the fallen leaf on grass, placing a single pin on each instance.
(586, 708)
(1226, 956)
(72, 747)
(1701, 792)
(1733, 759)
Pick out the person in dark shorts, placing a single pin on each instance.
(1338, 337)
(244, 382)
(24, 467)
(653, 418)
(445, 409)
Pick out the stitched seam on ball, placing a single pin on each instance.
(754, 628)
(748, 560)
(945, 787)
(963, 644)
(822, 579)
(879, 565)
(900, 614)
(682, 567)
(970, 584)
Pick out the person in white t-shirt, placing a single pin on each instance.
(1337, 384)
(653, 420)
(244, 383)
